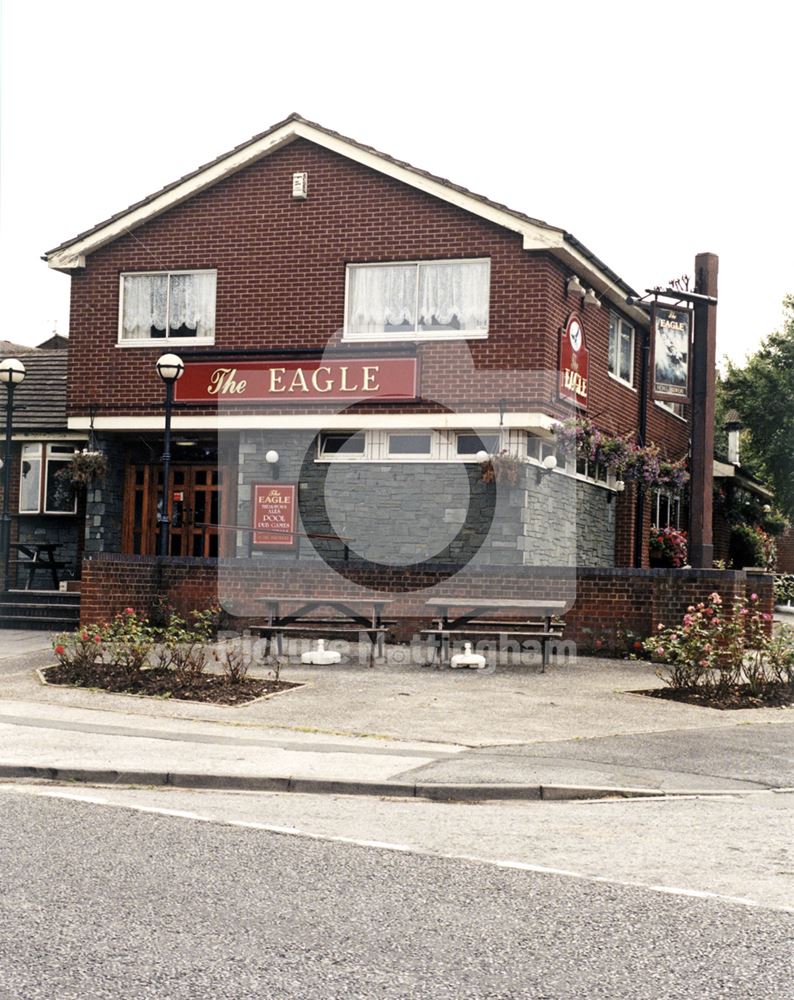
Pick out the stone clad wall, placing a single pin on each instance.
(105, 502)
(404, 513)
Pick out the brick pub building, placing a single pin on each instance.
(355, 334)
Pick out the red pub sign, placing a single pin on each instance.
(296, 381)
(274, 514)
(574, 362)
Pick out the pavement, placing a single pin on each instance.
(582, 729)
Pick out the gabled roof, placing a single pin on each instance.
(537, 235)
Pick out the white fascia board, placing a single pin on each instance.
(535, 237)
(603, 286)
(62, 436)
(723, 470)
(73, 256)
(324, 421)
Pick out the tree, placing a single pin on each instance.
(762, 392)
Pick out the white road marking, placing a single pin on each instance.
(292, 831)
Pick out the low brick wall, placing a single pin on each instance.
(607, 607)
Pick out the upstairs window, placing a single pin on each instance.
(621, 349)
(425, 300)
(171, 305)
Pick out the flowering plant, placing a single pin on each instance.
(670, 544)
(628, 461)
(717, 648)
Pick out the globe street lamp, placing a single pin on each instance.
(12, 372)
(170, 367)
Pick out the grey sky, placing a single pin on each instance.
(651, 131)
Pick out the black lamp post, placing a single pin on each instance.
(12, 372)
(170, 367)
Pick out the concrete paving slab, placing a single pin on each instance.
(580, 725)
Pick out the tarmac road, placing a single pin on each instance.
(99, 902)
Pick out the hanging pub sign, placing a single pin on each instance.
(274, 514)
(297, 381)
(574, 362)
(671, 340)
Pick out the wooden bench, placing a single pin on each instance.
(506, 630)
(322, 630)
(349, 619)
(476, 623)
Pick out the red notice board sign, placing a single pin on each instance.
(574, 362)
(274, 514)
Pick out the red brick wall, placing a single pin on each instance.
(604, 602)
(281, 278)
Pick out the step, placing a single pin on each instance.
(40, 597)
(50, 624)
(22, 608)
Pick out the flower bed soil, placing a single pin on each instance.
(740, 696)
(162, 683)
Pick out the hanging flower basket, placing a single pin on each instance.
(83, 469)
(86, 466)
(620, 456)
(502, 468)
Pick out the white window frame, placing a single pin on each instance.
(675, 504)
(480, 434)
(619, 322)
(167, 339)
(417, 335)
(45, 454)
(443, 446)
(668, 407)
(334, 456)
(407, 455)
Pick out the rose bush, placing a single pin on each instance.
(717, 649)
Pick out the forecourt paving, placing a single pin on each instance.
(579, 730)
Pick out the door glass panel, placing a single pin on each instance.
(201, 477)
(215, 508)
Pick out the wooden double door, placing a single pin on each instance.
(198, 498)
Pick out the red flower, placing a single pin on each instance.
(638, 645)
(97, 638)
(84, 636)
(60, 650)
(129, 611)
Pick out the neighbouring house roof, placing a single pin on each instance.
(723, 469)
(40, 400)
(537, 235)
(8, 349)
(57, 342)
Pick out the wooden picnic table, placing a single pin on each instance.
(475, 618)
(347, 617)
(38, 556)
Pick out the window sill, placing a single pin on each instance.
(415, 338)
(622, 381)
(169, 342)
